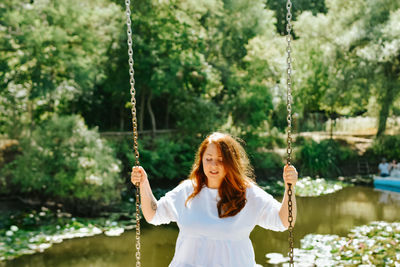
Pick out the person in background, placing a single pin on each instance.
(394, 169)
(383, 168)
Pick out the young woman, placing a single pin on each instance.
(217, 207)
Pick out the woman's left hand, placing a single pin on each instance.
(290, 175)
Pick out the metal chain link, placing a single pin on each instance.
(289, 121)
(290, 229)
(289, 80)
(134, 123)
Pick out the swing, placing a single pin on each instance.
(289, 121)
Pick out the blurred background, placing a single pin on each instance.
(66, 146)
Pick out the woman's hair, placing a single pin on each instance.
(239, 174)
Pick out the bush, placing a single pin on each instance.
(266, 165)
(9, 149)
(166, 159)
(322, 159)
(386, 146)
(65, 161)
(274, 139)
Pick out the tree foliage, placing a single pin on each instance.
(53, 54)
(65, 161)
(359, 47)
(200, 66)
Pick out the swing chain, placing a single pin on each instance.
(289, 81)
(289, 121)
(134, 123)
(290, 229)
(137, 254)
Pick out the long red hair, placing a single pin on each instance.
(239, 174)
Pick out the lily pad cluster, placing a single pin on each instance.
(307, 187)
(36, 231)
(375, 244)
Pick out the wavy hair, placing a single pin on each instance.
(239, 173)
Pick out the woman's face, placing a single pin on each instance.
(213, 166)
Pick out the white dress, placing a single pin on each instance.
(204, 239)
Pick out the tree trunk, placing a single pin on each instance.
(387, 97)
(121, 118)
(151, 113)
(383, 114)
(30, 108)
(167, 114)
(331, 116)
(141, 112)
(30, 120)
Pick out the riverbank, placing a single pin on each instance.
(29, 232)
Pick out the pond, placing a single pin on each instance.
(335, 213)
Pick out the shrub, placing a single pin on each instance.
(266, 164)
(9, 149)
(322, 159)
(385, 146)
(165, 158)
(65, 161)
(168, 159)
(269, 164)
(274, 139)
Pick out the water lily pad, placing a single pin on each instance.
(307, 187)
(367, 245)
(114, 232)
(35, 231)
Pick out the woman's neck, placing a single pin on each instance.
(213, 184)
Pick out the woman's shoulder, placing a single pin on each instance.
(257, 198)
(182, 190)
(187, 183)
(183, 186)
(255, 191)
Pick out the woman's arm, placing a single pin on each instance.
(147, 199)
(289, 176)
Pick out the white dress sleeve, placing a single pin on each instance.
(167, 206)
(268, 217)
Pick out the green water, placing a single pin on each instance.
(336, 213)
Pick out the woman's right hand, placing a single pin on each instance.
(138, 175)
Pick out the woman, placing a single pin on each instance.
(217, 207)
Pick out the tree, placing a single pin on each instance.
(170, 67)
(53, 53)
(359, 45)
(298, 7)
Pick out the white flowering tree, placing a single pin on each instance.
(52, 55)
(348, 59)
(66, 162)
